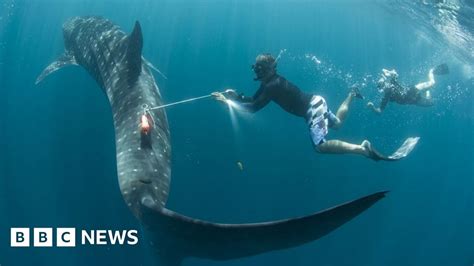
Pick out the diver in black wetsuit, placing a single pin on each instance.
(313, 108)
(418, 94)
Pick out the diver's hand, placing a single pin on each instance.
(219, 96)
(373, 108)
(231, 94)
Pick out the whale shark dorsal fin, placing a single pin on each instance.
(134, 51)
(64, 60)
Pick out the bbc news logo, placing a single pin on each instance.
(66, 237)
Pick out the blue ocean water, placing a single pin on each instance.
(58, 166)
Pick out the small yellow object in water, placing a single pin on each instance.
(240, 165)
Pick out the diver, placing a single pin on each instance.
(418, 94)
(313, 108)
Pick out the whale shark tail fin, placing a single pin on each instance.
(62, 61)
(133, 57)
(196, 238)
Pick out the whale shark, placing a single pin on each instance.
(143, 151)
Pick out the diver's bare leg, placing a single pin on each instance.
(340, 147)
(343, 109)
(427, 84)
(427, 94)
(426, 100)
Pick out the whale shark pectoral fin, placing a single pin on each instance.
(62, 61)
(134, 52)
(230, 241)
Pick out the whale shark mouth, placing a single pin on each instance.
(145, 181)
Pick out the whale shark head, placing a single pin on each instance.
(70, 27)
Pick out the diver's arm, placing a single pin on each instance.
(383, 104)
(255, 103)
(241, 98)
(373, 108)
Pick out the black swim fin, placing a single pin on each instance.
(356, 92)
(377, 156)
(442, 69)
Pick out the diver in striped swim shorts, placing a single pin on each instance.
(313, 108)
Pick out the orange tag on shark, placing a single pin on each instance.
(145, 125)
